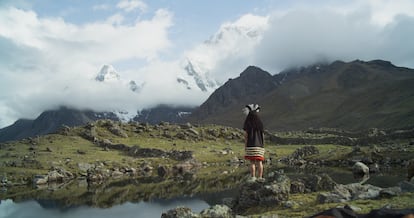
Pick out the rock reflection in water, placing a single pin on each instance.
(151, 209)
(115, 192)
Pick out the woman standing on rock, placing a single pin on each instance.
(254, 140)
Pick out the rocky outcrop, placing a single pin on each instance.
(179, 212)
(55, 175)
(356, 191)
(216, 211)
(273, 191)
(298, 156)
(313, 183)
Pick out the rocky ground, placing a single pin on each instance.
(194, 155)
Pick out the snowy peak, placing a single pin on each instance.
(107, 74)
(193, 77)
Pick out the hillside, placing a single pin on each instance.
(354, 96)
(50, 121)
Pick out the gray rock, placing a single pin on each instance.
(55, 176)
(40, 180)
(297, 187)
(84, 167)
(360, 168)
(273, 191)
(193, 131)
(179, 212)
(406, 186)
(217, 211)
(353, 191)
(390, 192)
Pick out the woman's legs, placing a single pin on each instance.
(256, 164)
(252, 168)
(260, 169)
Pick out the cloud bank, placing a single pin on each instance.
(48, 62)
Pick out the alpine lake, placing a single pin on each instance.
(149, 185)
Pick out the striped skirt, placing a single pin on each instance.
(254, 153)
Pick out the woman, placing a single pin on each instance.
(254, 140)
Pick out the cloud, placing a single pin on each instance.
(302, 37)
(46, 62)
(131, 5)
(228, 51)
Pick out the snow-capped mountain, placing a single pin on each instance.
(107, 74)
(195, 78)
(209, 65)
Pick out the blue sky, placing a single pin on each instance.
(51, 51)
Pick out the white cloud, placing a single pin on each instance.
(228, 51)
(302, 37)
(131, 5)
(46, 62)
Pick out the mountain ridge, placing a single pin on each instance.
(350, 95)
(354, 95)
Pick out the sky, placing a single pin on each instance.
(51, 51)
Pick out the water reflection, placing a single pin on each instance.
(78, 193)
(148, 196)
(32, 208)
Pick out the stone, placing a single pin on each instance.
(40, 180)
(321, 182)
(406, 186)
(273, 191)
(193, 131)
(84, 167)
(360, 168)
(390, 192)
(217, 211)
(55, 176)
(297, 187)
(179, 212)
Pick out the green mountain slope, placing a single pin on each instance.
(355, 95)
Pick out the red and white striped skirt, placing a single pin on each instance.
(254, 153)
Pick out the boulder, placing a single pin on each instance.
(84, 167)
(314, 183)
(217, 211)
(297, 187)
(55, 176)
(360, 168)
(390, 192)
(273, 191)
(353, 191)
(40, 180)
(407, 186)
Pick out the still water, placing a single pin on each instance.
(33, 209)
(146, 200)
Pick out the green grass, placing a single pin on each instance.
(217, 175)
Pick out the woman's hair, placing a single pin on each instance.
(253, 121)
